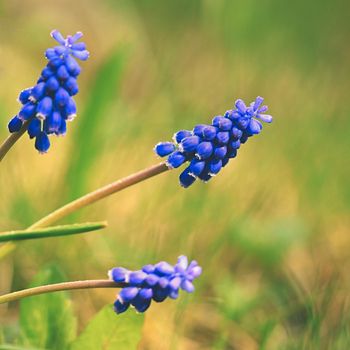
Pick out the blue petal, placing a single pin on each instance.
(61, 97)
(27, 111)
(71, 86)
(254, 127)
(258, 101)
(195, 272)
(70, 110)
(82, 55)
(235, 144)
(196, 167)
(180, 135)
(146, 293)
(148, 268)
(34, 128)
(63, 128)
(44, 108)
(24, 96)
(222, 123)
(222, 137)
(55, 63)
(60, 50)
(175, 160)
(42, 142)
(52, 84)
(231, 153)
(189, 144)
(187, 286)
(186, 178)
(73, 38)
(225, 161)
(50, 54)
(243, 123)
(72, 66)
(215, 166)
(182, 263)
(120, 307)
(137, 277)
(118, 274)
(265, 118)
(220, 152)
(164, 268)
(159, 294)
(240, 105)
(164, 148)
(128, 293)
(54, 121)
(163, 282)
(140, 304)
(58, 37)
(38, 92)
(236, 133)
(62, 72)
(15, 124)
(204, 150)
(47, 73)
(79, 46)
(209, 133)
(175, 283)
(198, 129)
(151, 280)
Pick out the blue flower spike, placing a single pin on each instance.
(153, 282)
(49, 104)
(208, 148)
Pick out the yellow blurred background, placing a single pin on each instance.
(271, 231)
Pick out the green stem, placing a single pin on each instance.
(59, 287)
(11, 140)
(100, 194)
(91, 198)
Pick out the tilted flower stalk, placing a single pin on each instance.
(154, 282)
(208, 148)
(49, 105)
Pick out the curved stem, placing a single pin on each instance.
(100, 193)
(49, 288)
(11, 140)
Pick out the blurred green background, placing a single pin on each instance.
(271, 232)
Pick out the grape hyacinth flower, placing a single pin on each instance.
(153, 282)
(49, 105)
(208, 148)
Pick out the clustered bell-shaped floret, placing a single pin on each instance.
(208, 148)
(153, 282)
(50, 104)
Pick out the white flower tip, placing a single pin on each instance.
(41, 116)
(71, 117)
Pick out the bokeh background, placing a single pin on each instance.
(271, 232)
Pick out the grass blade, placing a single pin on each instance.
(55, 231)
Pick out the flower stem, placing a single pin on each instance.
(49, 288)
(100, 194)
(11, 140)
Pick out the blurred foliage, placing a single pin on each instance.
(271, 232)
(47, 321)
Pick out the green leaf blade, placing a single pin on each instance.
(54, 231)
(109, 331)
